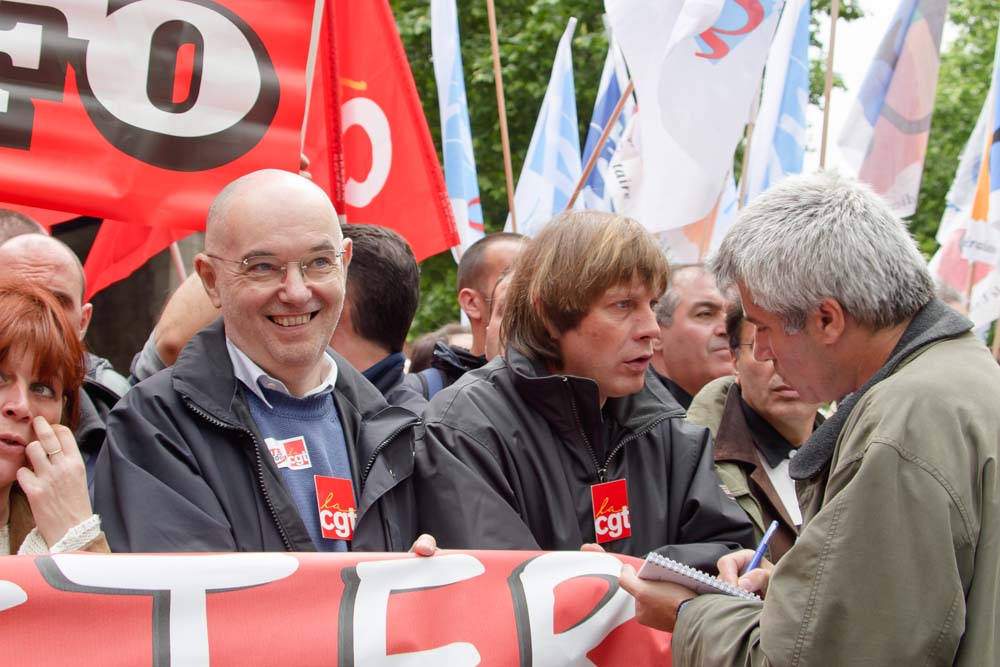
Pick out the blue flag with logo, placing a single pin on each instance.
(780, 136)
(613, 81)
(552, 165)
(456, 136)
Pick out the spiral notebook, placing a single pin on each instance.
(660, 568)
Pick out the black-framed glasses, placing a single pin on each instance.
(316, 267)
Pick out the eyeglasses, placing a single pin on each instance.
(317, 267)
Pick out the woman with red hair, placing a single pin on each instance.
(44, 503)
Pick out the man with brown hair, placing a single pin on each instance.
(566, 429)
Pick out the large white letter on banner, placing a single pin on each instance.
(184, 581)
(539, 578)
(11, 595)
(378, 580)
(126, 62)
(368, 116)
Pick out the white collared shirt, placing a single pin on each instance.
(255, 377)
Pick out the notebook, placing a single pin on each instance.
(660, 568)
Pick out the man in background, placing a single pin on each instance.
(692, 349)
(478, 271)
(758, 423)
(383, 290)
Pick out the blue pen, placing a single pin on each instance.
(762, 547)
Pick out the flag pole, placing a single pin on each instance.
(834, 15)
(743, 169)
(603, 139)
(502, 110)
(178, 261)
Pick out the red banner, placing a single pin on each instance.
(144, 111)
(455, 609)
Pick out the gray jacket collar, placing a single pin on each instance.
(558, 397)
(935, 321)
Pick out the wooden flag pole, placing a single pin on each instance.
(603, 139)
(502, 110)
(743, 169)
(178, 261)
(834, 15)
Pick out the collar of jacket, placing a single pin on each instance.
(733, 441)
(555, 397)
(455, 361)
(935, 321)
(204, 374)
(387, 373)
(90, 428)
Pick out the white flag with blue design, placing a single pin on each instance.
(552, 166)
(696, 66)
(614, 80)
(456, 136)
(780, 135)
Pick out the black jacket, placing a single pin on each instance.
(540, 442)
(184, 467)
(389, 378)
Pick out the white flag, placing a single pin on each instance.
(694, 91)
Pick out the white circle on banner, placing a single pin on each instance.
(118, 63)
(369, 116)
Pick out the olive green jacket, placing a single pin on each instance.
(738, 463)
(898, 561)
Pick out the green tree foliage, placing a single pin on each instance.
(964, 79)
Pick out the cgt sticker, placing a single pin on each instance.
(610, 502)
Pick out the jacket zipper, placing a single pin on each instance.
(378, 450)
(260, 466)
(602, 471)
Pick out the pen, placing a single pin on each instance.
(762, 547)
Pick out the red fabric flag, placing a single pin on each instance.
(391, 172)
(143, 112)
(122, 247)
(42, 216)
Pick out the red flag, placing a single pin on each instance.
(391, 172)
(42, 216)
(122, 247)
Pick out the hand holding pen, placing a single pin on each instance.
(761, 548)
(749, 569)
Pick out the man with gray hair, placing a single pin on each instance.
(898, 561)
(692, 348)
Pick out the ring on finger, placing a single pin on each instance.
(54, 452)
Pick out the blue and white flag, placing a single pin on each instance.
(614, 80)
(456, 137)
(779, 138)
(552, 166)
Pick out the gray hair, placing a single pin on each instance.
(668, 303)
(825, 235)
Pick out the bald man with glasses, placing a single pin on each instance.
(259, 438)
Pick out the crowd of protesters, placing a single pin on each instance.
(599, 400)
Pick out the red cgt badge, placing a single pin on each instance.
(611, 520)
(335, 497)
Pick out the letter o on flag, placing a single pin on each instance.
(368, 116)
(231, 108)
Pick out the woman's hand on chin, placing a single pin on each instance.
(56, 482)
